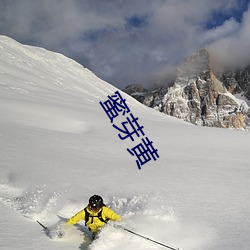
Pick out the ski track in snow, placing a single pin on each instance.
(43, 117)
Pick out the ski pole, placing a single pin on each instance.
(45, 228)
(150, 239)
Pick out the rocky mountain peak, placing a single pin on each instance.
(196, 64)
(200, 96)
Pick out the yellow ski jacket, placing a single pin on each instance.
(94, 223)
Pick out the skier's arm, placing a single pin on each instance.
(110, 214)
(77, 217)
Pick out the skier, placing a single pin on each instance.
(95, 214)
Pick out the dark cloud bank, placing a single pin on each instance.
(133, 41)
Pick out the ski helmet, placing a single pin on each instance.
(96, 202)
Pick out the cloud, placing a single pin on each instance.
(233, 49)
(126, 42)
(228, 28)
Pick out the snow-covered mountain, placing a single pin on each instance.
(201, 95)
(58, 147)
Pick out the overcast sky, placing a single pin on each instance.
(131, 41)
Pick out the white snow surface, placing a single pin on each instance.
(58, 147)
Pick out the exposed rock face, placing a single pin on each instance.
(199, 97)
(137, 91)
(237, 81)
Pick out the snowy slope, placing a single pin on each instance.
(58, 147)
